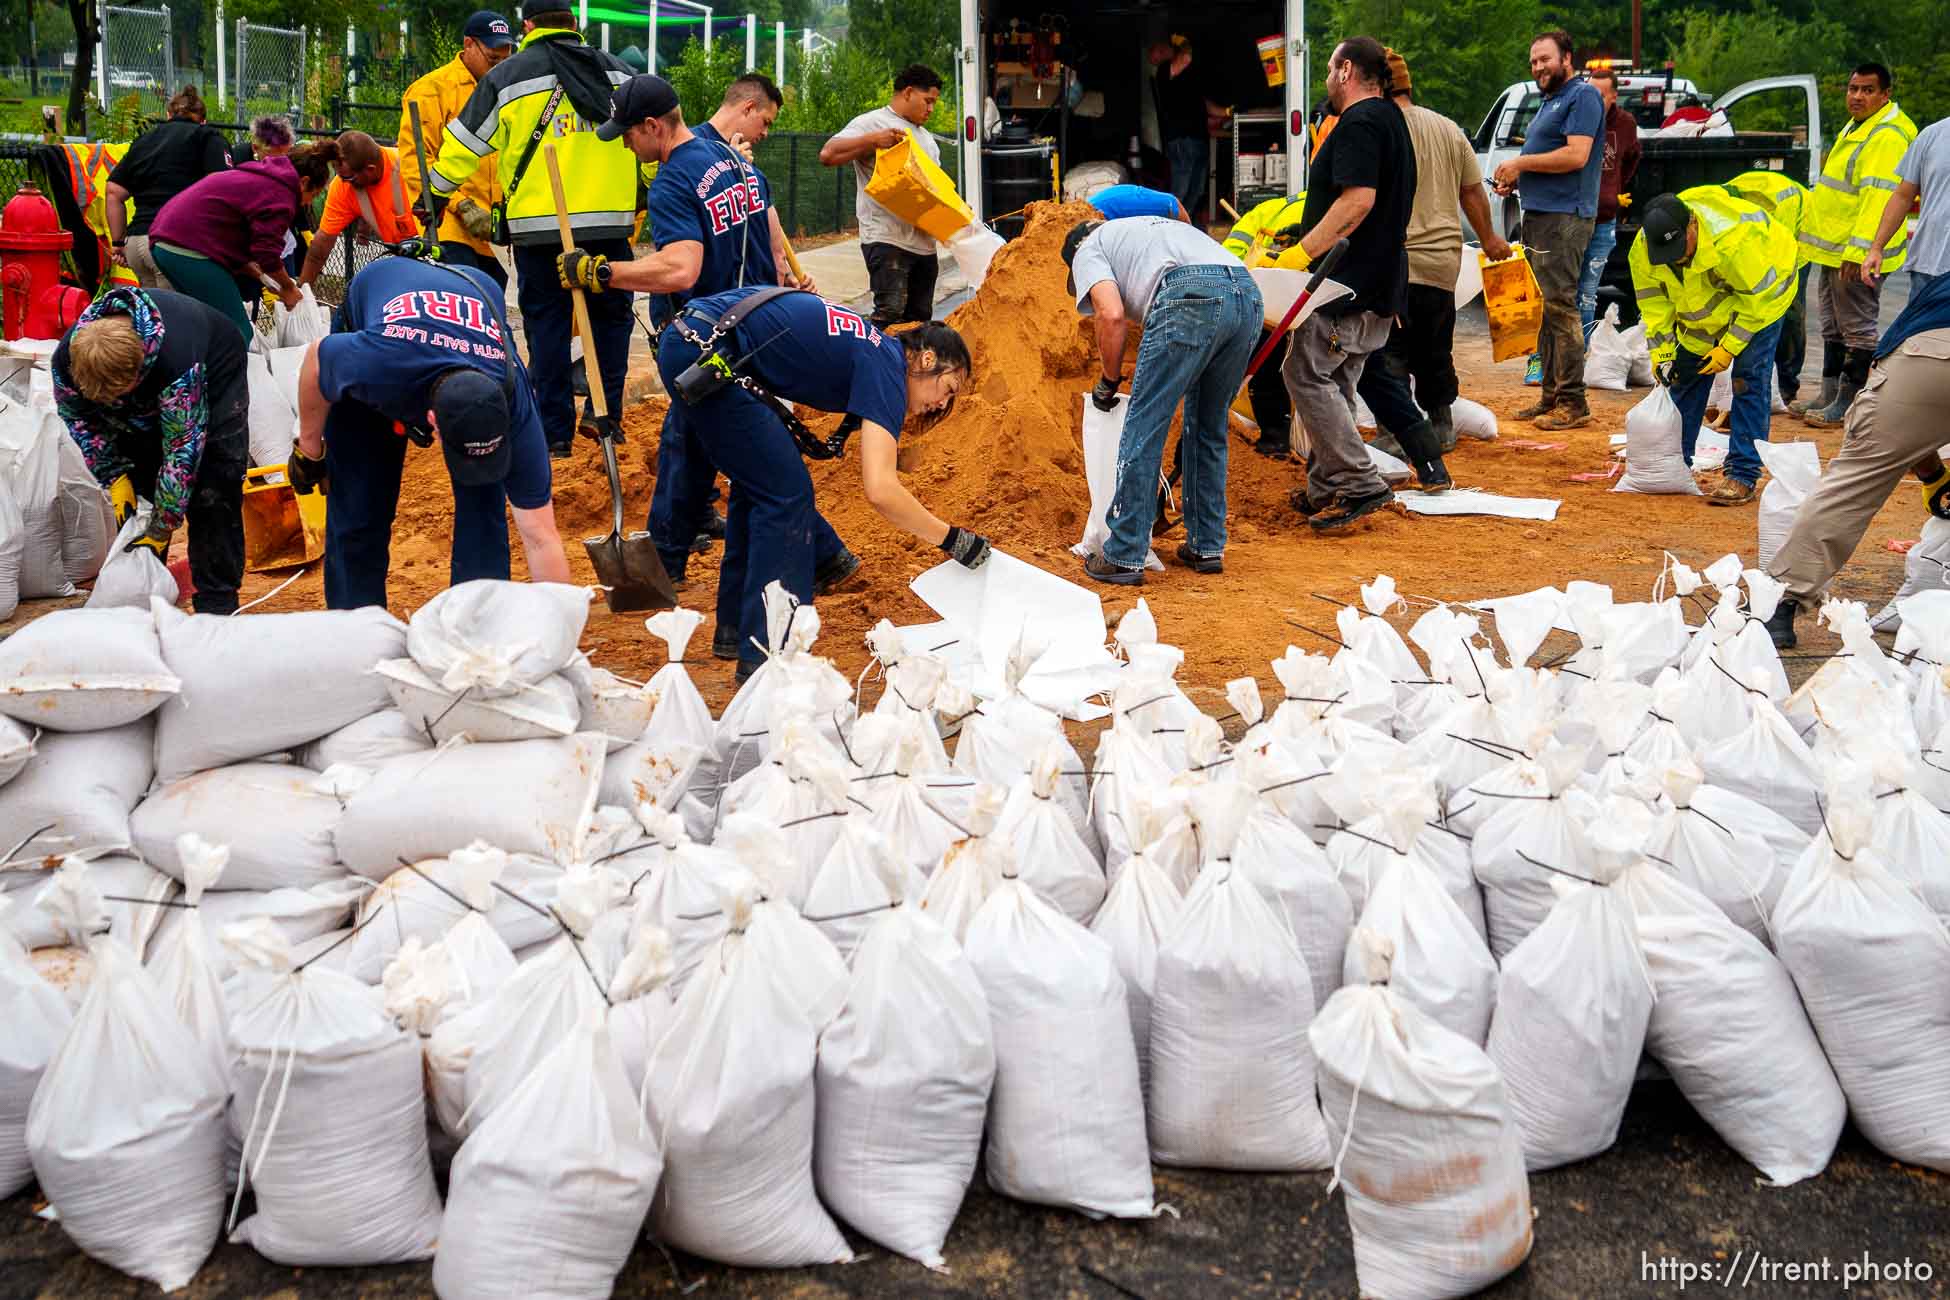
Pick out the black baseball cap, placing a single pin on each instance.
(472, 411)
(1663, 224)
(637, 100)
(490, 29)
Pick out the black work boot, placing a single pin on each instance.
(1780, 625)
(1424, 452)
(1855, 373)
(724, 642)
(842, 565)
(1443, 421)
(1832, 356)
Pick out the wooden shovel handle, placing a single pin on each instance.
(598, 400)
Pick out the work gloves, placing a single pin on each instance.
(1662, 374)
(1716, 361)
(304, 473)
(1104, 395)
(579, 270)
(970, 550)
(1936, 494)
(474, 219)
(1294, 259)
(121, 494)
(601, 428)
(155, 541)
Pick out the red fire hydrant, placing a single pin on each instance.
(34, 304)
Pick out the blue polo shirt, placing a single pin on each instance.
(707, 193)
(1575, 109)
(1133, 201)
(833, 360)
(404, 324)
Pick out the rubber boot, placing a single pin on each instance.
(1832, 357)
(1855, 373)
(1780, 625)
(1424, 451)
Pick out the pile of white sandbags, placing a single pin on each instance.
(756, 980)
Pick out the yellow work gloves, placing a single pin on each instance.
(1936, 494)
(155, 541)
(1294, 259)
(1716, 361)
(121, 494)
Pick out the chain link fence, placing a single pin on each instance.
(138, 55)
(270, 71)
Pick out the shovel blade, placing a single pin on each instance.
(631, 573)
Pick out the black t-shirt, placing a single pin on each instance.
(164, 161)
(1181, 102)
(1369, 147)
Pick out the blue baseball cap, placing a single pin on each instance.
(472, 412)
(637, 100)
(490, 29)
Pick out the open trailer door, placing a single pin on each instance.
(970, 66)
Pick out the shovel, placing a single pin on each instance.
(628, 567)
(1322, 269)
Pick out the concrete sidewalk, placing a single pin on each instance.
(838, 271)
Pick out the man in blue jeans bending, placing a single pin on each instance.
(1201, 314)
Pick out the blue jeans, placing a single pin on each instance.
(1604, 237)
(1751, 408)
(1198, 337)
(771, 529)
(365, 457)
(1188, 157)
(548, 320)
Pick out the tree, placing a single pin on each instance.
(901, 32)
(87, 26)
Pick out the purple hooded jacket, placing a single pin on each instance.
(234, 217)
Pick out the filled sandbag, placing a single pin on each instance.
(900, 1114)
(78, 792)
(1655, 460)
(13, 541)
(277, 821)
(1141, 908)
(491, 637)
(84, 670)
(37, 1019)
(1427, 1153)
(860, 878)
(132, 575)
(1793, 469)
(1055, 860)
(333, 1111)
(259, 685)
(1066, 1124)
(672, 753)
(119, 877)
(525, 711)
(366, 743)
(185, 965)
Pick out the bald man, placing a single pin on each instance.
(369, 192)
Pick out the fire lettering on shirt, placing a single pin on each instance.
(840, 321)
(440, 305)
(733, 205)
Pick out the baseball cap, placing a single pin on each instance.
(1664, 222)
(490, 29)
(472, 412)
(637, 100)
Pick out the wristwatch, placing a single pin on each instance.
(603, 271)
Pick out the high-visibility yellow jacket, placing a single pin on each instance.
(1783, 199)
(1740, 279)
(441, 94)
(1840, 222)
(600, 178)
(1262, 224)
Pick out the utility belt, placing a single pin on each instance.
(716, 369)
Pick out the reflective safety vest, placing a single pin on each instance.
(89, 166)
(1263, 224)
(1779, 197)
(1840, 222)
(1740, 279)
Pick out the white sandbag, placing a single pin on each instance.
(1572, 1001)
(273, 419)
(81, 787)
(1055, 861)
(743, 737)
(1427, 1153)
(492, 636)
(1473, 419)
(1767, 762)
(37, 1019)
(300, 915)
(998, 740)
(730, 1094)
(429, 900)
(1926, 567)
(1232, 1077)
(677, 894)
(126, 1130)
(645, 770)
(1297, 877)
(132, 574)
(366, 743)
(542, 792)
(1641, 355)
(1729, 1026)
(615, 707)
(1738, 815)
(547, 1199)
(31, 463)
(1735, 870)
(84, 670)
(1139, 911)
(974, 246)
(333, 1111)
(1655, 458)
(308, 322)
(1912, 840)
(1126, 767)
(1067, 1118)
(526, 711)
(276, 819)
(803, 789)
(1607, 357)
(1102, 432)
(136, 925)
(1793, 470)
(860, 877)
(13, 540)
(87, 519)
(1872, 964)
(258, 685)
(1441, 963)
(1529, 830)
(900, 1114)
(186, 967)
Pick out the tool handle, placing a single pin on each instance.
(598, 400)
(1230, 211)
(792, 258)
